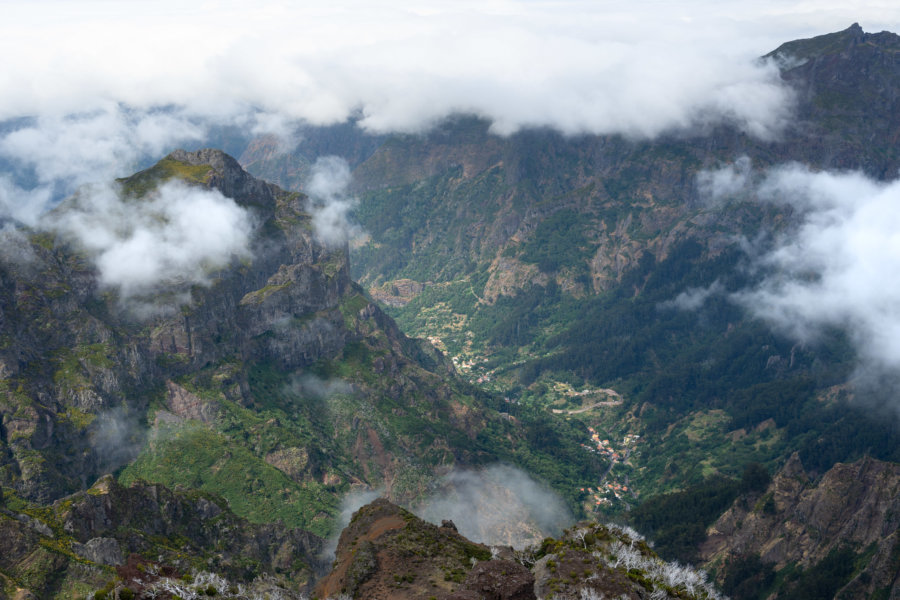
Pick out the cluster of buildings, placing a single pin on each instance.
(605, 448)
(604, 493)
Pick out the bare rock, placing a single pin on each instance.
(500, 580)
(104, 551)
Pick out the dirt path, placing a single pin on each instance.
(576, 411)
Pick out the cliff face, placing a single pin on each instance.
(798, 523)
(140, 536)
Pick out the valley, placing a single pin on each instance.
(211, 366)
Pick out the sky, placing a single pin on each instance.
(93, 88)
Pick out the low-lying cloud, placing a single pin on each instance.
(178, 235)
(836, 267)
(124, 83)
(329, 204)
(118, 84)
(498, 505)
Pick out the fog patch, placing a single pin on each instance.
(329, 203)
(693, 298)
(310, 386)
(498, 505)
(717, 186)
(833, 267)
(116, 438)
(351, 503)
(16, 249)
(158, 246)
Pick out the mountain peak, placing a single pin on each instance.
(835, 43)
(217, 159)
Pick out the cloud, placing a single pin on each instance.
(92, 146)
(329, 204)
(351, 503)
(176, 236)
(694, 298)
(720, 185)
(834, 267)
(119, 82)
(498, 505)
(116, 437)
(310, 386)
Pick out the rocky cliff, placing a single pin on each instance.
(796, 525)
(550, 265)
(265, 377)
(387, 552)
(144, 538)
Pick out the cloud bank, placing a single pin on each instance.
(836, 267)
(176, 236)
(579, 67)
(102, 84)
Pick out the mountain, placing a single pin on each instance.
(555, 270)
(146, 536)
(255, 389)
(836, 537)
(191, 380)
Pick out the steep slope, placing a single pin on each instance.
(387, 552)
(270, 379)
(548, 267)
(839, 535)
(134, 537)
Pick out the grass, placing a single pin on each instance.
(139, 184)
(198, 457)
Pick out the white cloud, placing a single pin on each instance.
(329, 205)
(96, 73)
(838, 266)
(178, 235)
(720, 185)
(694, 298)
(497, 505)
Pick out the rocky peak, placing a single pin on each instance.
(227, 176)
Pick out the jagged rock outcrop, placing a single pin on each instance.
(387, 552)
(74, 542)
(800, 522)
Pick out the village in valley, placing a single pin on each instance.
(609, 489)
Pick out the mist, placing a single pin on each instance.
(177, 236)
(497, 505)
(834, 267)
(329, 203)
(118, 84)
(116, 438)
(314, 387)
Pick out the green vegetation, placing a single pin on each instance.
(823, 579)
(199, 458)
(139, 184)
(558, 241)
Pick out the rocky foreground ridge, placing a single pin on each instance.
(834, 538)
(387, 552)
